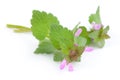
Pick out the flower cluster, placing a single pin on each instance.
(64, 63)
(87, 48)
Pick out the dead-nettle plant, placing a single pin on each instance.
(66, 45)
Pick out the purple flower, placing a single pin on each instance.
(77, 33)
(88, 49)
(96, 26)
(63, 64)
(70, 67)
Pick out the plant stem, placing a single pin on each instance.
(19, 28)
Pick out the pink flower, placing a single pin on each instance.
(77, 33)
(88, 49)
(70, 67)
(96, 26)
(63, 64)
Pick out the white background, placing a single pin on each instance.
(17, 58)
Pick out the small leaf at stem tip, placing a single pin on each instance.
(95, 17)
(77, 33)
(63, 64)
(70, 67)
(88, 49)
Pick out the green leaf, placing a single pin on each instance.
(100, 43)
(75, 28)
(94, 35)
(41, 22)
(105, 36)
(62, 38)
(84, 32)
(45, 46)
(54, 35)
(105, 30)
(81, 41)
(95, 17)
(58, 56)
